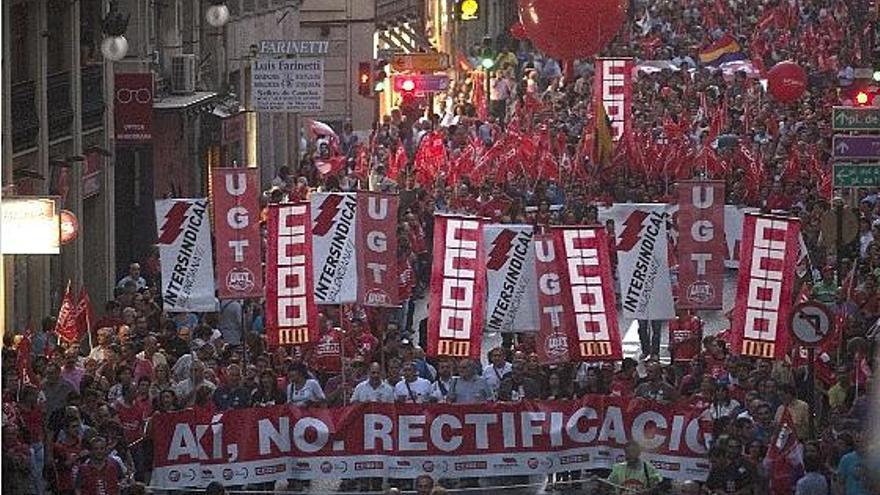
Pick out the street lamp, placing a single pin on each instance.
(217, 14)
(114, 46)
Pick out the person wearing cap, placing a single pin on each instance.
(634, 475)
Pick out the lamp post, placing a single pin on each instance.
(115, 46)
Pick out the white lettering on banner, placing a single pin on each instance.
(377, 241)
(292, 300)
(613, 84)
(237, 217)
(458, 283)
(588, 299)
(548, 283)
(762, 307)
(703, 197)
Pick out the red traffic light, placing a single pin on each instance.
(408, 85)
(365, 74)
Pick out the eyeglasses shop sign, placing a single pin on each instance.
(288, 76)
(30, 226)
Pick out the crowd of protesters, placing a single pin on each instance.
(76, 416)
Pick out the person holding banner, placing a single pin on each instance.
(635, 476)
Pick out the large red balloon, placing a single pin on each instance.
(787, 81)
(518, 31)
(571, 29)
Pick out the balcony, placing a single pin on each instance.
(59, 106)
(25, 122)
(92, 97)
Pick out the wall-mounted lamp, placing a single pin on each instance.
(217, 14)
(115, 46)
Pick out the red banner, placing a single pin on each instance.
(291, 314)
(66, 326)
(552, 340)
(767, 264)
(237, 232)
(587, 282)
(377, 249)
(613, 87)
(133, 107)
(246, 446)
(458, 287)
(701, 244)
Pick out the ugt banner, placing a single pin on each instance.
(237, 232)
(642, 259)
(767, 265)
(552, 340)
(701, 244)
(587, 284)
(257, 445)
(458, 286)
(511, 296)
(613, 87)
(185, 255)
(291, 315)
(377, 249)
(334, 226)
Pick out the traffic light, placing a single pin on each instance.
(487, 54)
(862, 98)
(365, 76)
(859, 94)
(468, 10)
(379, 76)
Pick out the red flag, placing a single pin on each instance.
(66, 325)
(458, 284)
(397, 161)
(85, 314)
(430, 158)
(362, 162)
(330, 166)
(23, 357)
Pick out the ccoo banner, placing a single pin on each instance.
(334, 226)
(291, 315)
(377, 249)
(511, 296)
(701, 244)
(768, 261)
(184, 240)
(456, 314)
(587, 283)
(613, 87)
(237, 232)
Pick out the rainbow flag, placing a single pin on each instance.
(726, 49)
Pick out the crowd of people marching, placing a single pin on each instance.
(77, 415)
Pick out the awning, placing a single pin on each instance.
(178, 102)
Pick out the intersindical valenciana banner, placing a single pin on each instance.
(237, 447)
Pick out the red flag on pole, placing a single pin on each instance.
(85, 314)
(66, 325)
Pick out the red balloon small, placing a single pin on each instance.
(572, 29)
(787, 81)
(518, 31)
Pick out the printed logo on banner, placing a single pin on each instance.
(184, 239)
(333, 240)
(377, 249)
(701, 244)
(613, 88)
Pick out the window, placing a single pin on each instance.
(21, 42)
(58, 40)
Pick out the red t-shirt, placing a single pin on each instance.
(365, 346)
(66, 465)
(99, 480)
(32, 418)
(327, 352)
(622, 386)
(687, 337)
(132, 419)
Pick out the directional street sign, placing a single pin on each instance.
(848, 174)
(421, 62)
(810, 323)
(865, 147)
(856, 119)
(423, 83)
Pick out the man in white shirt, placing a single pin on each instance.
(467, 387)
(497, 368)
(186, 389)
(412, 389)
(374, 388)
